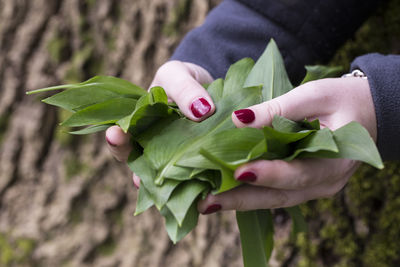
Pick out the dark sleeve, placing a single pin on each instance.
(307, 32)
(383, 74)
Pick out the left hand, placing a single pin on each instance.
(277, 183)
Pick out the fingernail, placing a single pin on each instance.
(109, 142)
(247, 177)
(200, 107)
(212, 208)
(245, 115)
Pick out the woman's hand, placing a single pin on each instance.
(182, 83)
(277, 183)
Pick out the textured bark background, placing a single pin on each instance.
(65, 202)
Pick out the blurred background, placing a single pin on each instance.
(64, 201)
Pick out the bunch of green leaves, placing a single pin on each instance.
(180, 161)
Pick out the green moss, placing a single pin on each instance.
(178, 14)
(74, 73)
(74, 166)
(15, 251)
(106, 248)
(56, 46)
(361, 225)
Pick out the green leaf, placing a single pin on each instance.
(176, 232)
(321, 140)
(227, 180)
(144, 201)
(256, 236)
(284, 125)
(149, 109)
(102, 113)
(353, 142)
(270, 72)
(183, 197)
(320, 72)
(79, 98)
(216, 90)
(108, 83)
(159, 194)
(92, 129)
(220, 145)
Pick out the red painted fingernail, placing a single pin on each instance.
(247, 177)
(109, 142)
(212, 208)
(200, 107)
(245, 115)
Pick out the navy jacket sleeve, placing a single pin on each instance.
(307, 32)
(383, 74)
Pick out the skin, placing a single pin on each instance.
(335, 102)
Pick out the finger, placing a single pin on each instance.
(295, 175)
(249, 197)
(136, 181)
(182, 83)
(118, 143)
(305, 101)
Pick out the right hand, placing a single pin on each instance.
(182, 83)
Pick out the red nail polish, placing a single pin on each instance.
(212, 208)
(245, 115)
(200, 107)
(109, 142)
(247, 177)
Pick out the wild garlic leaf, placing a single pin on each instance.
(227, 180)
(92, 129)
(109, 83)
(176, 232)
(216, 89)
(256, 235)
(148, 110)
(285, 137)
(106, 112)
(353, 142)
(320, 72)
(285, 125)
(220, 145)
(269, 71)
(183, 197)
(143, 201)
(321, 140)
(79, 98)
(158, 194)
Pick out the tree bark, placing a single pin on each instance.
(64, 201)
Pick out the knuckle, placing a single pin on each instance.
(280, 197)
(240, 204)
(273, 108)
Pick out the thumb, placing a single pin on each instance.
(300, 103)
(182, 83)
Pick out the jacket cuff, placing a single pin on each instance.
(383, 72)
